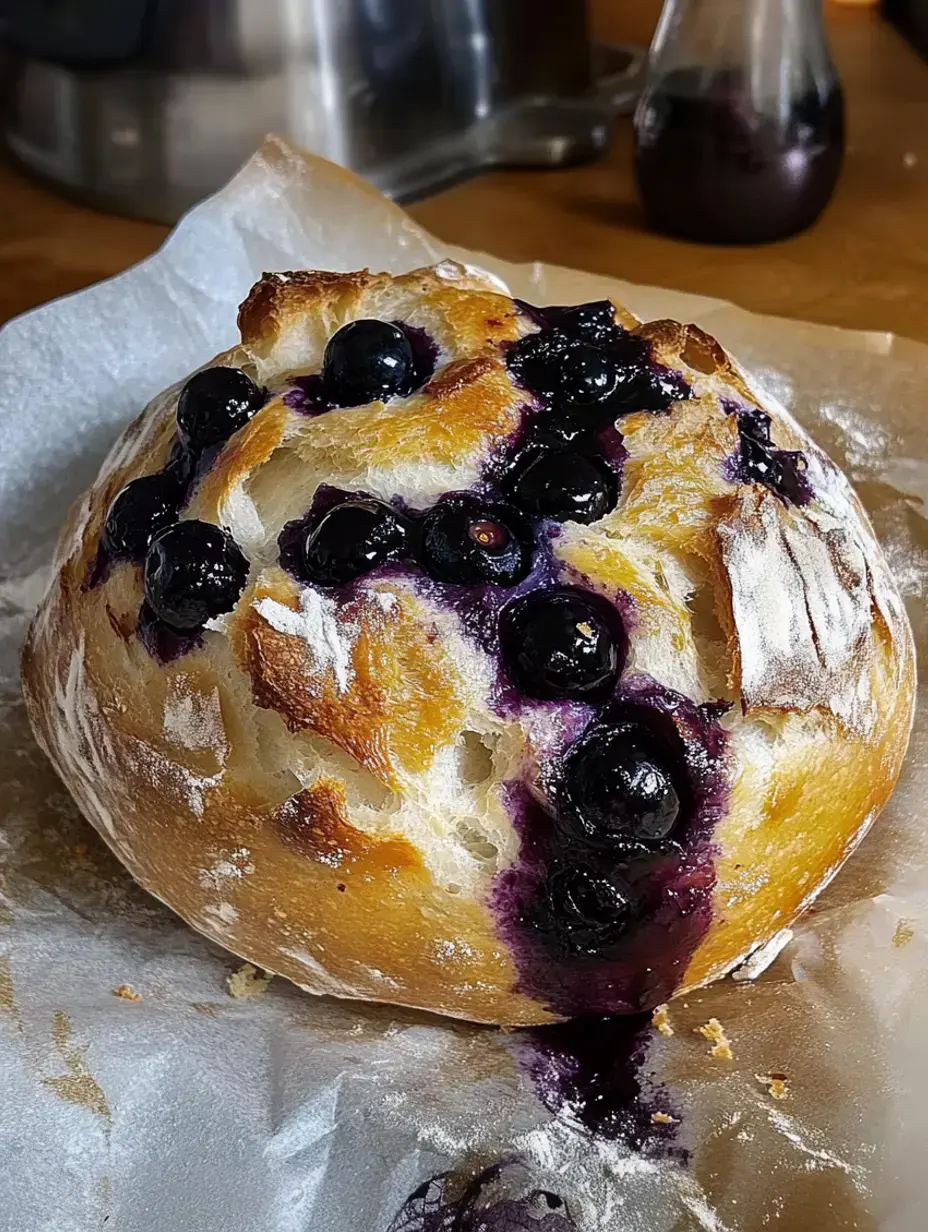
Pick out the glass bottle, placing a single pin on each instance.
(739, 133)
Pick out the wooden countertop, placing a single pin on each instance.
(865, 264)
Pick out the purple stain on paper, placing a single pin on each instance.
(495, 1200)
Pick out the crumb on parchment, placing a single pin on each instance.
(776, 1084)
(660, 1020)
(721, 1044)
(903, 934)
(126, 992)
(663, 1118)
(247, 981)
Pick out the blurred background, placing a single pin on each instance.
(767, 151)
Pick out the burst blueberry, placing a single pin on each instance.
(594, 322)
(471, 541)
(587, 910)
(351, 540)
(194, 571)
(563, 643)
(566, 486)
(368, 361)
(214, 404)
(619, 788)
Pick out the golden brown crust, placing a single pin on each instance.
(320, 785)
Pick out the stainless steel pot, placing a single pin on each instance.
(145, 106)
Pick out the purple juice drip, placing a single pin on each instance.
(591, 1070)
(672, 888)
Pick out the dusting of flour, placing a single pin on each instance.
(316, 622)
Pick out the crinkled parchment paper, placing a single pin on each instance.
(193, 1110)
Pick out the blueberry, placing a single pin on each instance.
(564, 643)
(193, 572)
(559, 367)
(471, 541)
(588, 910)
(213, 405)
(368, 361)
(143, 508)
(619, 788)
(566, 486)
(647, 387)
(555, 430)
(594, 322)
(181, 466)
(350, 540)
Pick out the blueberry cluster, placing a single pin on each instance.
(193, 571)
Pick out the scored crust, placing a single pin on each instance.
(321, 785)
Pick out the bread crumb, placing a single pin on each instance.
(660, 1019)
(127, 993)
(247, 981)
(721, 1044)
(208, 1008)
(663, 1118)
(903, 934)
(776, 1084)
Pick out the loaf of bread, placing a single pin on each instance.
(508, 662)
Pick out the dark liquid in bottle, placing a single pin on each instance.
(713, 166)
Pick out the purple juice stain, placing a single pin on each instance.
(668, 888)
(498, 1199)
(781, 471)
(591, 1071)
(162, 642)
(425, 351)
(307, 395)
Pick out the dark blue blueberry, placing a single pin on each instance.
(594, 322)
(471, 541)
(213, 405)
(368, 361)
(350, 540)
(193, 572)
(563, 643)
(143, 508)
(619, 788)
(564, 369)
(566, 486)
(587, 910)
(556, 429)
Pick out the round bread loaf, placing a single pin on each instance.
(507, 662)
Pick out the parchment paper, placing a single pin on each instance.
(193, 1110)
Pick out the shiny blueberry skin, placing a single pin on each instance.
(563, 368)
(587, 910)
(780, 470)
(557, 430)
(368, 361)
(143, 508)
(471, 541)
(193, 572)
(594, 322)
(351, 540)
(213, 405)
(563, 643)
(619, 789)
(566, 486)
